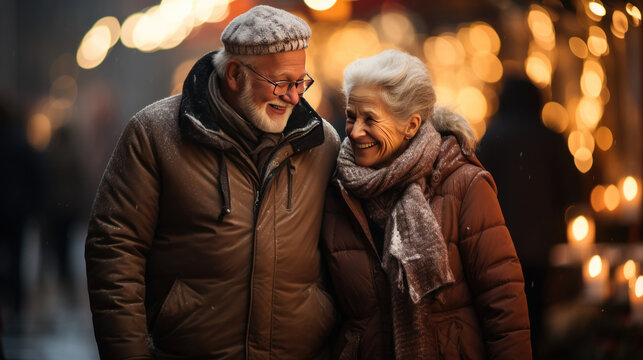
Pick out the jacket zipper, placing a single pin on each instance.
(257, 206)
(291, 170)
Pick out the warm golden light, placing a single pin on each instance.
(597, 198)
(629, 269)
(484, 38)
(578, 47)
(604, 138)
(541, 27)
(175, 10)
(597, 41)
(638, 286)
(619, 24)
(209, 11)
(591, 65)
(127, 30)
(94, 47)
(220, 11)
(114, 28)
(634, 12)
(357, 39)
(39, 131)
(591, 84)
(487, 67)
(580, 139)
(589, 112)
(320, 5)
(630, 188)
(580, 228)
(597, 8)
(395, 27)
(595, 266)
(539, 69)
(612, 197)
(583, 160)
(444, 50)
(472, 103)
(150, 30)
(555, 117)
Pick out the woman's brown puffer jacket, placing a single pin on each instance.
(483, 315)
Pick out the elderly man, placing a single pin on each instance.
(203, 237)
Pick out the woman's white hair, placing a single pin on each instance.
(407, 89)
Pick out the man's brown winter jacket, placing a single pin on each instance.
(192, 254)
(483, 315)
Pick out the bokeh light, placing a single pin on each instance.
(320, 5)
(597, 8)
(604, 138)
(555, 117)
(578, 47)
(597, 41)
(629, 269)
(472, 104)
(487, 67)
(589, 112)
(597, 198)
(612, 197)
(634, 12)
(619, 24)
(39, 131)
(538, 68)
(630, 188)
(94, 47)
(583, 159)
(595, 266)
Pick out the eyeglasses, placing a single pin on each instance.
(283, 86)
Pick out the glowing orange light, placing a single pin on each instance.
(597, 8)
(612, 197)
(597, 198)
(472, 103)
(555, 116)
(578, 47)
(583, 160)
(630, 188)
(629, 269)
(638, 287)
(595, 266)
(487, 67)
(604, 138)
(539, 69)
(597, 41)
(580, 228)
(320, 5)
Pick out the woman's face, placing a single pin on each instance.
(376, 136)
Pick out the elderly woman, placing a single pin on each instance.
(420, 260)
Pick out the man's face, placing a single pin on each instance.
(261, 107)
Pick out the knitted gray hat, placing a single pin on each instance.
(265, 30)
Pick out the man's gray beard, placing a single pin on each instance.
(255, 115)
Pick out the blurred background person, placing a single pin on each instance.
(536, 182)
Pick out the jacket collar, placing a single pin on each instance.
(304, 129)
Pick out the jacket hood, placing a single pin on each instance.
(198, 122)
(447, 122)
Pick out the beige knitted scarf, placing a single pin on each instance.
(414, 253)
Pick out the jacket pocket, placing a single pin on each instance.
(180, 302)
(350, 349)
(448, 334)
